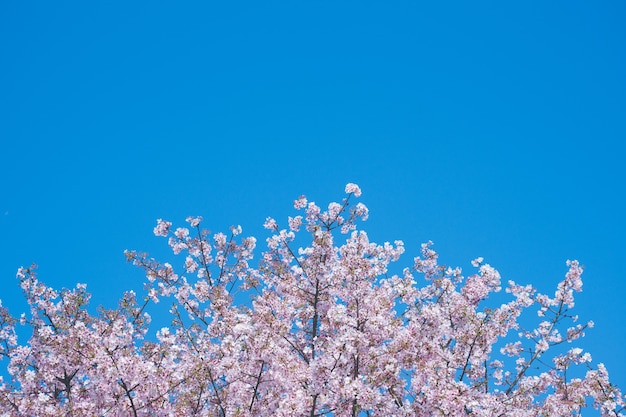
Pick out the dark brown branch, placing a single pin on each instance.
(256, 386)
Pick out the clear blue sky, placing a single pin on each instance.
(495, 129)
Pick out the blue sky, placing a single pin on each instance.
(494, 129)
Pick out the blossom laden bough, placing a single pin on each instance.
(319, 329)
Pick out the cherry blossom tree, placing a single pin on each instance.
(318, 326)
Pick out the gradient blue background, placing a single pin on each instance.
(495, 129)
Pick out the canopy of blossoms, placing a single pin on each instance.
(317, 326)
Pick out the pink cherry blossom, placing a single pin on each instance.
(353, 189)
(300, 202)
(162, 228)
(194, 221)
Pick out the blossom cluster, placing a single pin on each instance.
(322, 329)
